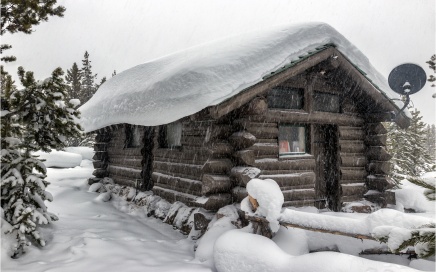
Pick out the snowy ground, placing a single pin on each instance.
(92, 235)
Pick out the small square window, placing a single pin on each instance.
(292, 140)
(133, 136)
(326, 102)
(286, 98)
(170, 135)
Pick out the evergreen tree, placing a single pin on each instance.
(21, 16)
(34, 118)
(103, 80)
(430, 137)
(408, 149)
(88, 80)
(432, 65)
(74, 81)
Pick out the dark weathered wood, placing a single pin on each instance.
(124, 181)
(215, 184)
(347, 160)
(177, 182)
(257, 106)
(126, 152)
(130, 161)
(376, 140)
(294, 179)
(239, 193)
(245, 124)
(100, 164)
(242, 140)
(351, 133)
(192, 170)
(100, 156)
(299, 194)
(265, 149)
(354, 189)
(242, 175)
(380, 183)
(218, 166)
(298, 116)
(375, 128)
(264, 132)
(100, 146)
(353, 173)
(244, 157)
(219, 149)
(194, 140)
(351, 146)
(100, 173)
(183, 190)
(260, 88)
(201, 221)
(379, 167)
(275, 164)
(382, 198)
(299, 203)
(378, 153)
(124, 171)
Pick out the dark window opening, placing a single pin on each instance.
(170, 135)
(133, 136)
(326, 102)
(286, 98)
(293, 140)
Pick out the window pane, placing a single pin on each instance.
(174, 134)
(292, 140)
(326, 102)
(132, 136)
(286, 98)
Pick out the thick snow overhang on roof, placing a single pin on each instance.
(178, 85)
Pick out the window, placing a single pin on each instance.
(170, 135)
(292, 140)
(132, 136)
(326, 102)
(286, 98)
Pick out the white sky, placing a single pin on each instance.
(121, 34)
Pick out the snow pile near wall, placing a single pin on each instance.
(169, 88)
(86, 152)
(411, 196)
(240, 251)
(270, 199)
(60, 159)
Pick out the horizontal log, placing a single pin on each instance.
(352, 160)
(100, 173)
(289, 116)
(351, 146)
(213, 131)
(299, 203)
(124, 172)
(257, 106)
(219, 149)
(245, 124)
(100, 156)
(299, 194)
(382, 198)
(242, 140)
(352, 198)
(192, 170)
(177, 182)
(379, 167)
(293, 179)
(244, 157)
(379, 183)
(275, 164)
(212, 203)
(124, 152)
(296, 187)
(194, 140)
(353, 173)
(376, 140)
(103, 137)
(354, 189)
(100, 164)
(218, 166)
(378, 153)
(239, 193)
(351, 133)
(265, 149)
(124, 181)
(215, 184)
(242, 175)
(375, 128)
(264, 132)
(282, 171)
(134, 162)
(189, 191)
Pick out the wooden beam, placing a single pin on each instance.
(260, 88)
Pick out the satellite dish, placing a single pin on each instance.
(407, 79)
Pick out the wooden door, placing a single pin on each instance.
(325, 150)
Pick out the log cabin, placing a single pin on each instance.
(297, 104)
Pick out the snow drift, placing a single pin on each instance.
(169, 88)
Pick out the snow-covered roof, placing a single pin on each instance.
(169, 88)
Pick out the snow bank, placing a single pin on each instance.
(411, 196)
(245, 252)
(270, 199)
(60, 159)
(169, 88)
(86, 152)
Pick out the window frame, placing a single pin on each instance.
(133, 136)
(299, 91)
(163, 136)
(317, 103)
(307, 141)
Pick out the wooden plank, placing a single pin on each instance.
(127, 172)
(192, 170)
(348, 160)
(264, 132)
(299, 194)
(126, 161)
(124, 152)
(351, 146)
(219, 166)
(351, 133)
(275, 164)
(177, 182)
(293, 116)
(354, 189)
(354, 173)
(265, 149)
(294, 179)
(260, 88)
